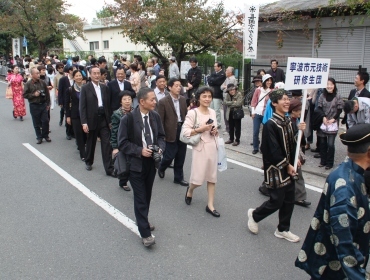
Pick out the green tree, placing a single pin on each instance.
(44, 22)
(178, 27)
(104, 13)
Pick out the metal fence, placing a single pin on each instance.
(344, 75)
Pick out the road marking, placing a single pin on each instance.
(115, 213)
(313, 188)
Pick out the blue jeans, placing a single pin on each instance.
(257, 120)
(327, 149)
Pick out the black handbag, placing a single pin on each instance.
(121, 163)
(238, 114)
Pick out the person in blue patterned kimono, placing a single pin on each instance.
(337, 243)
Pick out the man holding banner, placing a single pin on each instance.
(278, 154)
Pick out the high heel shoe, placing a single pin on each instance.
(214, 213)
(187, 199)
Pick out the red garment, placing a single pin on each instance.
(18, 100)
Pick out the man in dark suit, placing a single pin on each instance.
(215, 81)
(172, 110)
(95, 114)
(118, 85)
(148, 132)
(360, 82)
(276, 73)
(194, 78)
(63, 85)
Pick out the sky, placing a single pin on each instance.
(90, 7)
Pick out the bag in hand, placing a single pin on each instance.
(238, 113)
(192, 140)
(221, 157)
(330, 128)
(9, 93)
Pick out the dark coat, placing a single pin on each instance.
(115, 90)
(72, 104)
(277, 75)
(89, 105)
(63, 86)
(215, 81)
(133, 149)
(167, 112)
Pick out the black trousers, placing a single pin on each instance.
(40, 120)
(234, 126)
(142, 185)
(102, 130)
(175, 151)
(61, 114)
(80, 136)
(281, 199)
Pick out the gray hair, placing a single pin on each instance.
(143, 93)
(231, 69)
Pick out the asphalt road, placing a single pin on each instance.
(51, 230)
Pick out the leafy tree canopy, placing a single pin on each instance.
(178, 27)
(43, 22)
(104, 13)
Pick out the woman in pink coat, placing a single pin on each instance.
(204, 157)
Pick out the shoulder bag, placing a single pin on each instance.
(192, 140)
(238, 113)
(121, 160)
(9, 93)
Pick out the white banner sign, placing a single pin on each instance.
(306, 73)
(16, 46)
(251, 31)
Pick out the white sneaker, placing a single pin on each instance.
(287, 235)
(252, 225)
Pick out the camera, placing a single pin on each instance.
(209, 121)
(42, 92)
(155, 154)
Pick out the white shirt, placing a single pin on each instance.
(176, 103)
(261, 105)
(121, 85)
(98, 94)
(71, 81)
(159, 94)
(143, 132)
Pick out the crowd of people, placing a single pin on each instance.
(140, 116)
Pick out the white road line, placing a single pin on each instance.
(115, 213)
(313, 188)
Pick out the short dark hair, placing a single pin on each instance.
(219, 64)
(203, 90)
(364, 76)
(272, 60)
(123, 93)
(260, 70)
(41, 67)
(101, 60)
(160, 77)
(348, 106)
(121, 68)
(139, 58)
(75, 72)
(193, 59)
(93, 61)
(75, 59)
(69, 69)
(133, 66)
(172, 81)
(59, 65)
(143, 93)
(103, 71)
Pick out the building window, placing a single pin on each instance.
(106, 45)
(94, 46)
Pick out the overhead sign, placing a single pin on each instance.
(251, 31)
(306, 73)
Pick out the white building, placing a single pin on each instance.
(103, 38)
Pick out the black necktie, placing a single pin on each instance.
(148, 138)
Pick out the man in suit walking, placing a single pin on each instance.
(172, 110)
(118, 85)
(147, 133)
(64, 84)
(95, 114)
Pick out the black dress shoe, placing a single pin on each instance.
(317, 156)
(328, 167)
(187, 199)
(112, 174)
(182, 183)
(39, 141)
(60, 123)
(160, 173)
(255, 152)
(68, 137)
(315, 150)
(47, 139)
(303, 203)
(214, 213)
(88, 167)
